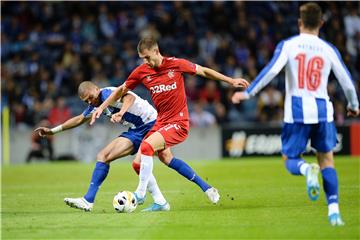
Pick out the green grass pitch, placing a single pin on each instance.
(259, 200)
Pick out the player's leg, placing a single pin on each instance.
(160, 203)
(186, 171)
(152, 143)
(324, 140)
(294, 139)
(119, 147)
(330, 185)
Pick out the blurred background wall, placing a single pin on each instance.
(83, 144)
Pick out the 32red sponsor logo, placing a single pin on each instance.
(163, 88)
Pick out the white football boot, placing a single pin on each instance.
(213, 195)
(79, 203)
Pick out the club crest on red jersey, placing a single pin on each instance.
(171, 74)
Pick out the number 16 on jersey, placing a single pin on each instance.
(311, 74)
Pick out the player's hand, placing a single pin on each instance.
(44, 131)
(240, 82)
(237, 97)
(95, 115)
(352, 113)
(116, 118)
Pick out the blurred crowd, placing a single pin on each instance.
(49, 48)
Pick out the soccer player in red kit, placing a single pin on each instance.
(163, 77)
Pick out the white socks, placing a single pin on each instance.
(333, 208)
(146, 168)
(303, 168)
(155, 192)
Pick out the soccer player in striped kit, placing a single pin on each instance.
(136, 113)
(308, 111)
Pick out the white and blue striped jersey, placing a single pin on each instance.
(308, 61)
(139, 113)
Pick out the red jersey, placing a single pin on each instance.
(166, 84)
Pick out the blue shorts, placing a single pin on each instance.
(295, 136)
(136, 135)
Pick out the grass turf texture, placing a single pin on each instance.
(259, 199)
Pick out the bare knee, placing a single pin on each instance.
(165, 157)
(103, 157)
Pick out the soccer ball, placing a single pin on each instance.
(124, 202)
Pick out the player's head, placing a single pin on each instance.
(310, 17)
(89, 93)
(148, 51)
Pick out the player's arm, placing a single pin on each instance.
(272, 69)
(71, 123)
(115, 95)
(214, 75)
(344, 78)
(128, 100)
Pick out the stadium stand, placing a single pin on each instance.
(48, 48)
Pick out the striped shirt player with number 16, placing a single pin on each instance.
(309, 112)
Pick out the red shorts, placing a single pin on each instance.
(173, 133)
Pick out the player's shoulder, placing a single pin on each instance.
(285, 43)
(110, 88)
(290, 40)
(141, 70)
(329, 46)
(105, 92)
(174, 60)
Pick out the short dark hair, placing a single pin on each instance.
(84, 87)
(146, 43)
(310, 14)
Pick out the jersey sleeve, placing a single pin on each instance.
(88, 111)
(277, 62)
(344, 77)
(134, 79)
(186, 66)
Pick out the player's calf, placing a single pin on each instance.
(100, 172)
(136, 167)
(330, 184)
